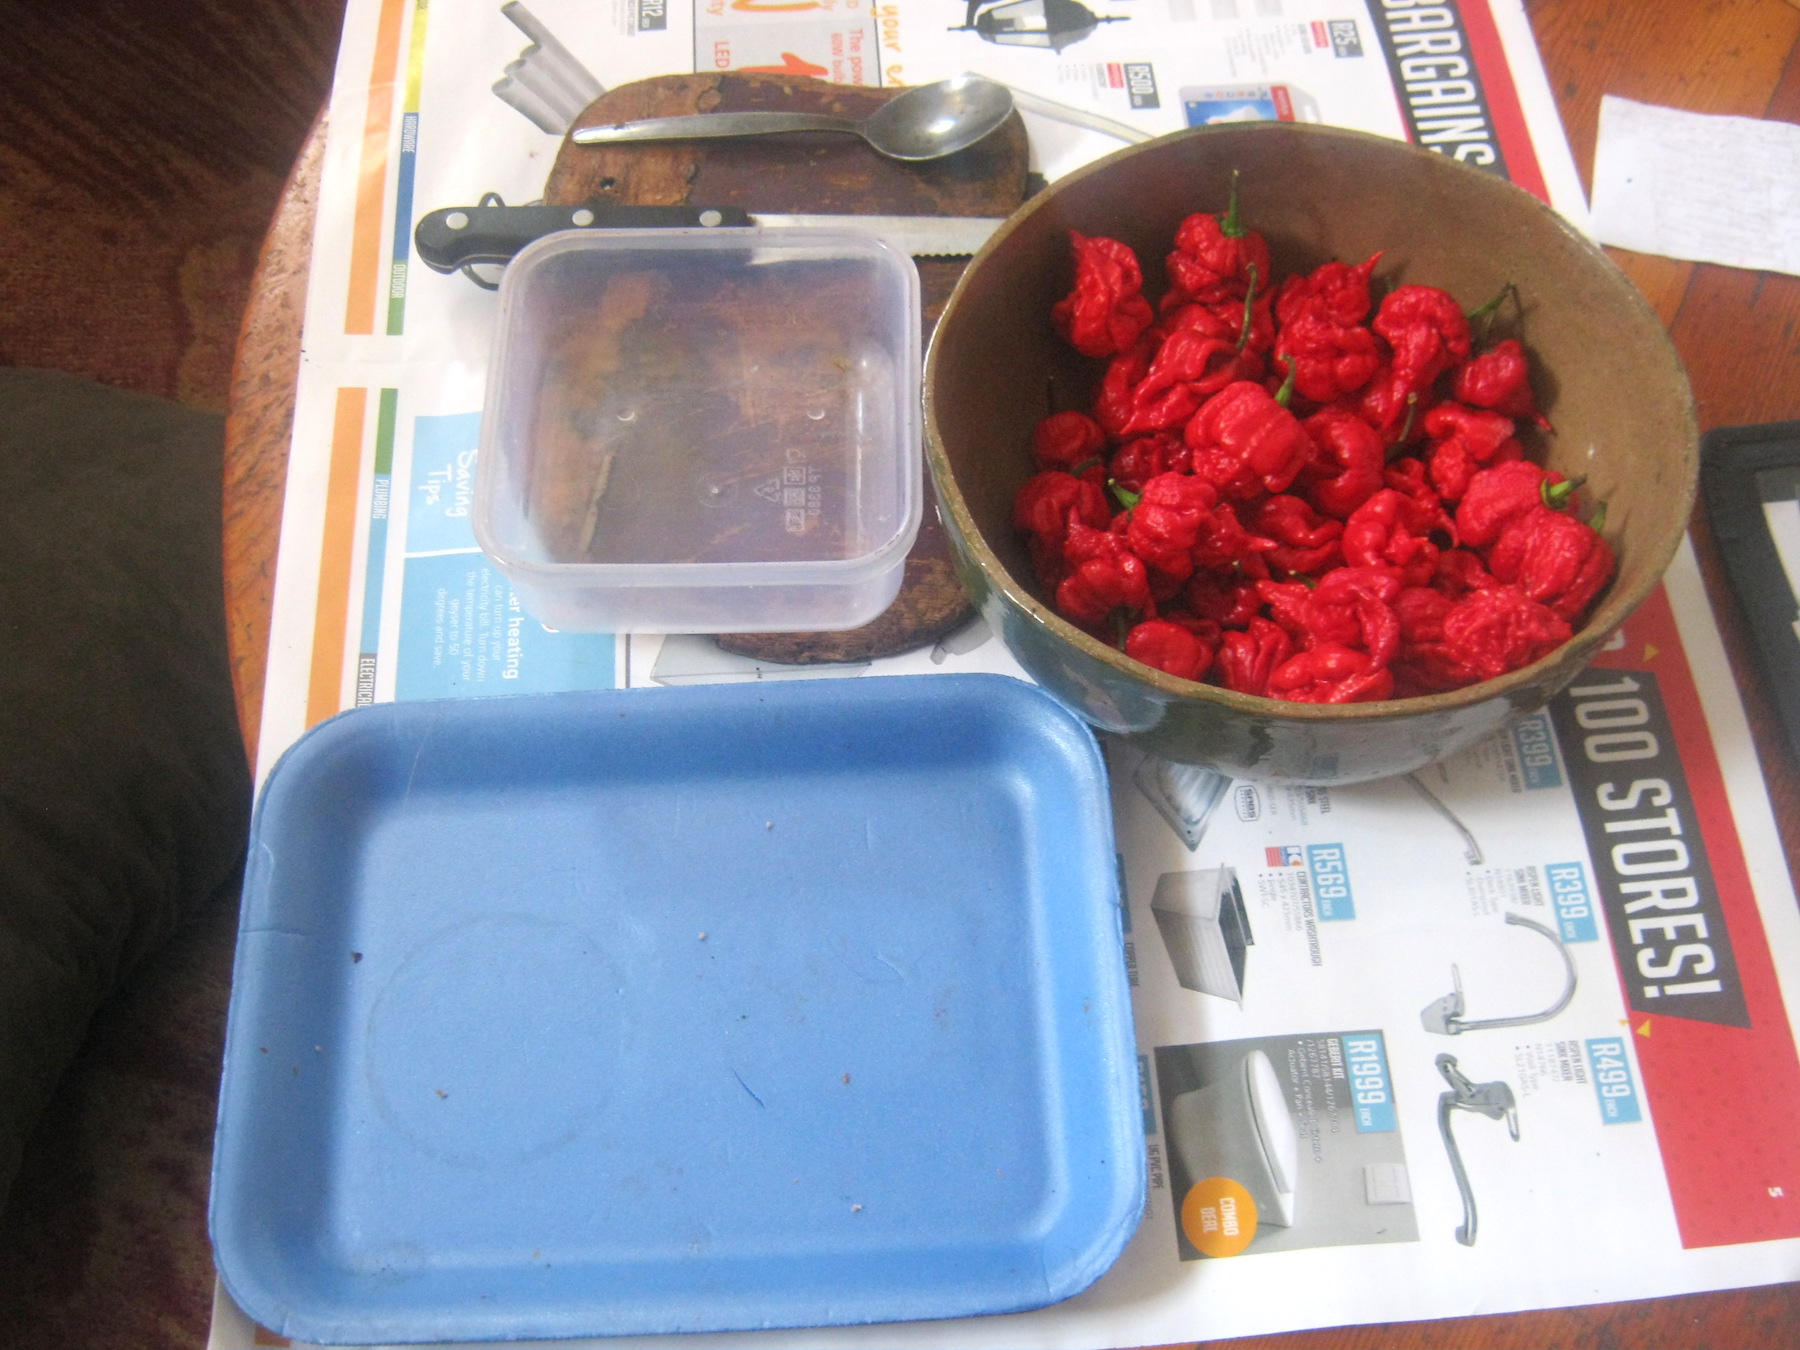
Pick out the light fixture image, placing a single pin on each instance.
(1185, 795)
(1493, 1100)
(1205, 929)
(1444, 1017)
(547, 84)
(1239, 1126)
(1049, 24)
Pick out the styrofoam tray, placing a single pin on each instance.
(676, 1010)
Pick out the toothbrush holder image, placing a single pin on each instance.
(1205, 929)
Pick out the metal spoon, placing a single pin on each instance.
(925, 122)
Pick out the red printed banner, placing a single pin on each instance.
(1721, 1074)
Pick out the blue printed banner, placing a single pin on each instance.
(1609, 1064)
(1536, 747)
(463, 632)
(1573, 900)
(1144, 1094)
(439, 514)
(1371, 1089)
(1330, 881)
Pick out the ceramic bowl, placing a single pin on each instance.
(1605, 373)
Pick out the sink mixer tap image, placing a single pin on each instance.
(1495, 1101)
(1444, 1016)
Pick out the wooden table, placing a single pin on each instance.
(1738, 332)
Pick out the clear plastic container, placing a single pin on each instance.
(703, 431)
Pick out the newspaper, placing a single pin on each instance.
(1510, 1032)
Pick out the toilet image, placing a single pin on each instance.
(1239, 1126)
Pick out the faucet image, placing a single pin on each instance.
(1444, 1017)
(1493, 1100)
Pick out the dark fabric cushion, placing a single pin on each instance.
(124, 789)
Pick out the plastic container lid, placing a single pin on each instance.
(703, 430)
(678, 1010)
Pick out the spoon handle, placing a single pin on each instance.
(694, 126)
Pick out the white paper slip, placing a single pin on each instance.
(1697, 186)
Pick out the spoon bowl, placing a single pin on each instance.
(928, 121)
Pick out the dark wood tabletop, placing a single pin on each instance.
(1738, 332)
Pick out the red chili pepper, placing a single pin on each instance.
(1330, 359)
(1335, 291)
(1168, 519)
(1248, 324)
(1169, 647)
(1066, 440)
(1462, 441)
(1427, 331)
(1222, 320)
(1246, 443)
(1499, 379)
(1214, 254)
(1113, 403)
(1105, 312)
(1460, 571)
(1392, 402)
(1345, 469)
(1331, 673)
(1352, 606)
(1423, 665)
(1555, 559)
(1044, 507)
(1188, 369)
(1246, 660)
(1105, 576)
(1497, 495)
(1229, 601)
(1307, 541)
(1391, 529)
(1044, 503)
(1225, 545)
(1492, 631)
(1421, 611)
(1140, 459)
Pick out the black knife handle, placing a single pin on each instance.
(458, 235)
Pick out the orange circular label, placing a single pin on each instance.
(1218, 1216)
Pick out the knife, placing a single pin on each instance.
(456, 236)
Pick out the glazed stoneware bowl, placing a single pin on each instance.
(1603, 369)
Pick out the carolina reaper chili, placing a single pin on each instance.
(1301, 487)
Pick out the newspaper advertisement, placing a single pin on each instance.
(1509, 1032)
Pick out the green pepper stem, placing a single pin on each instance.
(1556, 495)
(1484, 311)
(1127, 498)
(1286, 392)
(1249, 310)
(1596, 520)
(1481, 317)
(1230, 225)
(1087, 464)
(1412, 411)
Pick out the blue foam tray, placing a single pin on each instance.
(710, 1008)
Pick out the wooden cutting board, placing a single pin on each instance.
(824, 173)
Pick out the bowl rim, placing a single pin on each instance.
(1522, 685)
